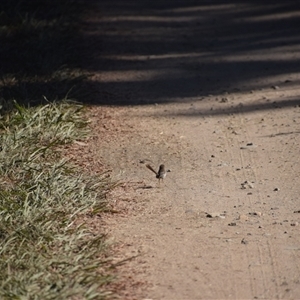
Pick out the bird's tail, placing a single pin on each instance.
(150, 168)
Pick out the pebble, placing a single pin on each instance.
(243, 218)
(232, 224)
(215, 215)
(224, 100)
(248, 146)
(256, 213)
(244, 241)
(295, 224)
(246, 184)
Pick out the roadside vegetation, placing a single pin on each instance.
(46, 249)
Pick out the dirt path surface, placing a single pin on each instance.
(212, 91)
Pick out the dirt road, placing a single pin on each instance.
(212, 91)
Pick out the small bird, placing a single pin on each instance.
(162, 172)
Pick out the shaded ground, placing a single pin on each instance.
(187, 49)
(212, 91)
(42, 52)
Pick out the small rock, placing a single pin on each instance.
(243, 218)
(297, 212)
(248, 146)
(232, 224)
(276, 189)
(224, 100)
(275, 87)
(295, 224)
(215, 215)
(244, 241)
(246, 184)
(256, 213)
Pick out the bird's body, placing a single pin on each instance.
(161, 173)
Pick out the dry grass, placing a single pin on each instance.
(43, 253)
(47, 251)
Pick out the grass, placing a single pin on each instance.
(47, 251)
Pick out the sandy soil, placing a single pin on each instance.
(212, 91)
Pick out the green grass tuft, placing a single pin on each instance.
(44, 252)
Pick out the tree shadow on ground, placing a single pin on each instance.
(176, 51)
(41, 51)
(146, 52)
